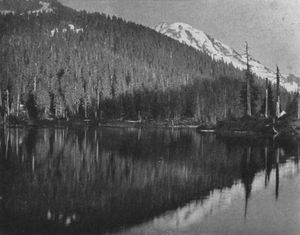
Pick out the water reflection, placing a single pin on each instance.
(96, 181)
(218, 200)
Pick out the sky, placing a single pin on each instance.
(271, 27)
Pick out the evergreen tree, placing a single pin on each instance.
(292, 105)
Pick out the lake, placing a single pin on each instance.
(146, 181)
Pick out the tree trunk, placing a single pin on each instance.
(0, 98)
(225, 106)
(277, 93)
(35, 79)
(298, 102)
(34, 85)
(98, 104)
(7, 102)
(18, 105)
(7, 142)
(85, 108)
(266, 165)
(267, 99)
(278, 107)
(277, 174)
(56, 110)
(249, 112)
(61, 111)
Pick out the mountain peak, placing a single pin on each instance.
(219, 51)
(175, 25)
(160, 26)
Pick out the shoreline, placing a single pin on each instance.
(241, 127)
(184, 124)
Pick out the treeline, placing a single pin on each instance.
(109, 69)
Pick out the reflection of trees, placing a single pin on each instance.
(99, 180)
(262, 153)
(277, 172)
(248, 169)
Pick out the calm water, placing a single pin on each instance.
(130, 181)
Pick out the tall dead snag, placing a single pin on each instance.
(248, 77)
(277, 92)
(18, 104)
(267, 99)
(35, 79)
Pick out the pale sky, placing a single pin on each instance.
(271, 27)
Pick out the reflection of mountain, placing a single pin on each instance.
(218, 200)
(64, 180)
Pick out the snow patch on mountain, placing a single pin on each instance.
(70, 27)
(45, 8)
(6, 12)
(219, 51)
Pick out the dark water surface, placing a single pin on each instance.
(131, 181)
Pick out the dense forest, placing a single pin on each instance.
(69, 64)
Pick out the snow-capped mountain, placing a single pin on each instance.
(201, 41)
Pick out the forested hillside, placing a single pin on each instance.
(69, 64)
